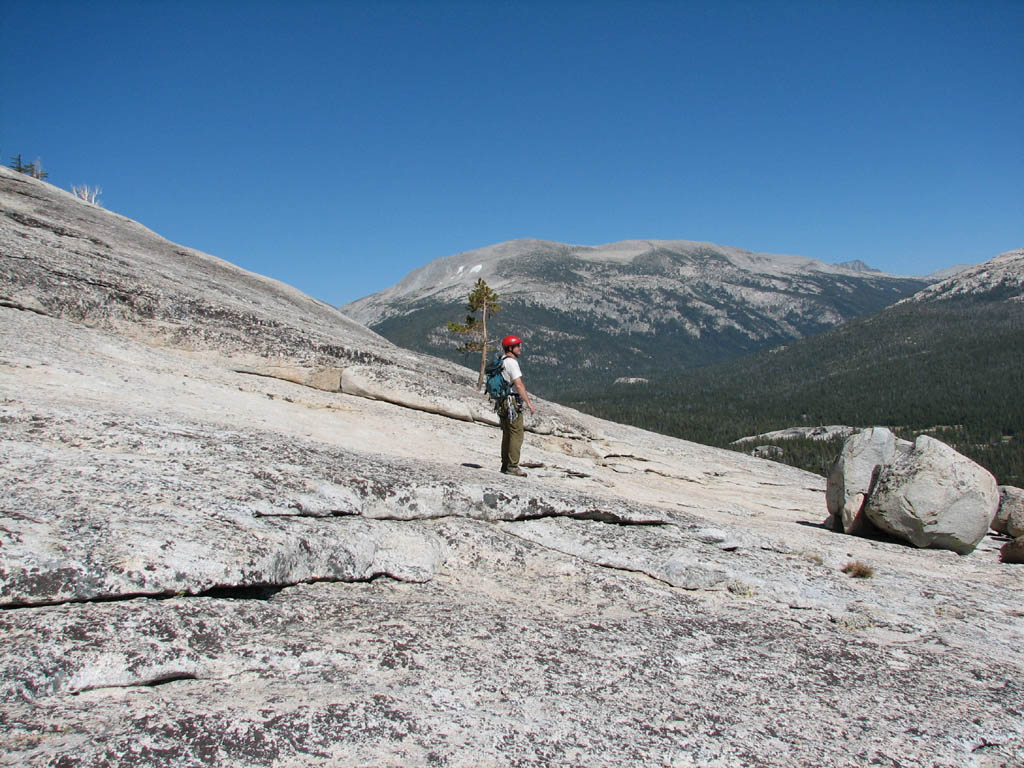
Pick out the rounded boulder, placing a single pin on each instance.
(933, 496)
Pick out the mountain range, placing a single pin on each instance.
(629, 309)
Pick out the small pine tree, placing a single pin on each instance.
(474, 332)
(35, 170)
(17, 165)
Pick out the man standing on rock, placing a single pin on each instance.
(510, 410)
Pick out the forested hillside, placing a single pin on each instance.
(953, 369)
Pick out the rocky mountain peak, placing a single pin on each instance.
(526, 266)
(999, 279)
(857, 266)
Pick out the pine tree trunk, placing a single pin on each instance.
(483, 348)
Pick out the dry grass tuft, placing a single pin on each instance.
(859, 570)
(740, 589)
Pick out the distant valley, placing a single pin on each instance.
(948, 361)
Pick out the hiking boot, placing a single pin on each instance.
(514, 471)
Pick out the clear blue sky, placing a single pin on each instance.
(338, 145)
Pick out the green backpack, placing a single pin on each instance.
(494, 383)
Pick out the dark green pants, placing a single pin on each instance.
(511, 441)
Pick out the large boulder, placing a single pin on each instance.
(934, 497)
(853, 474)
(1010, 517)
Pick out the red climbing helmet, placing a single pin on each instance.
(510, 341)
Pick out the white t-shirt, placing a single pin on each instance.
(510, 370)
